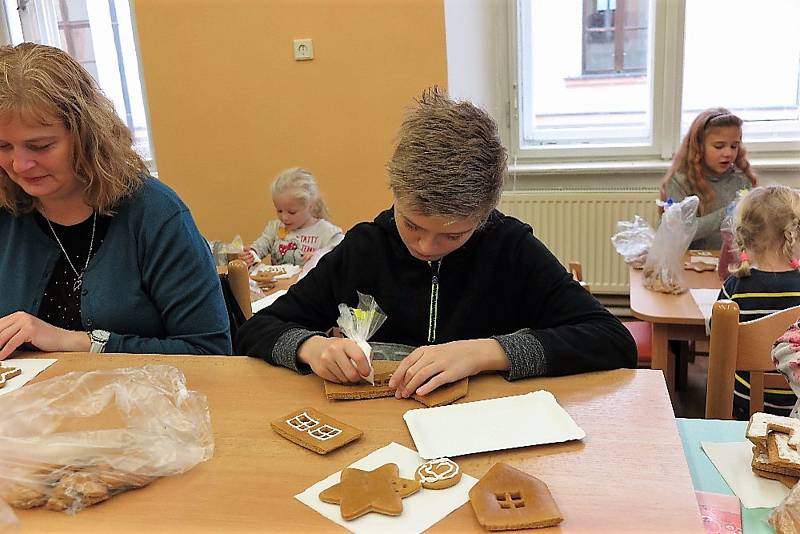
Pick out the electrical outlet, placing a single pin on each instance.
(303, 49)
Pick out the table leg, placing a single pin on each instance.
(662, 358)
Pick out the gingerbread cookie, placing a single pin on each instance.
(446, 394)
(314, 430)
(438, 474)
(360, 492)
(7, 373)
(76, 491)
(20, 496)
(787, 480)
(762, 423)
(509, 499)
(383, 372)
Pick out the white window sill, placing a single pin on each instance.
(635, 167)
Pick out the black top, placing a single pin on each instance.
(61, 303)
(502, 281)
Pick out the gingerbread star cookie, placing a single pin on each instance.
(380, 490)
(7, 373)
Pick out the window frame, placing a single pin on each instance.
(666, 87)
(619, 29)
(7, 39)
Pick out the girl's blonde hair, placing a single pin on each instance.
(300, 183)
(689, 158)
(766, 217)
(42, 83)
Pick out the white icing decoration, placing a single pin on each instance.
(428, 472)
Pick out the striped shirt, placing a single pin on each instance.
(758, 295)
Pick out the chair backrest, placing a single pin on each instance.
(236, 291)
(738, 346)
(239, 278)
(576, 269)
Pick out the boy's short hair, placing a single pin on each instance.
(449, 160)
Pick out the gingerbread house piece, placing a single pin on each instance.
(508, 499)
(447, 394)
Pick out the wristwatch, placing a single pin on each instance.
(99, 338)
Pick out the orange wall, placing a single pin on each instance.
(229, 107)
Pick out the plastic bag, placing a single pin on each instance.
(359, 324)
(78, 439)
(633, 240)
(663, 270)
(727, 252)
(225, 252)
(785, 518)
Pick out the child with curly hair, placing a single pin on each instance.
(766, 229)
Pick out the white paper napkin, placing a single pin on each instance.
(262, 303)
(490, 425)
(732, 460)
(420, 511)
(705, 299)
(30, 368)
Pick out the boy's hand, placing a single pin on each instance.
(429, 367)
(334, 359)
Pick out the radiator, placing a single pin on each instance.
(577, 225)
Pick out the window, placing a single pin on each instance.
(97, 33)
(623, 79)
(614, 36)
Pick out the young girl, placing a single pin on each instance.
(712, 164)
(301, 228)
(766, 230)
(786, 357)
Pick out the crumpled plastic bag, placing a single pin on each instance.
(78, 439)
(633, 240)
(224, 252)
(359, 324)
(785, 518)
(663, 270)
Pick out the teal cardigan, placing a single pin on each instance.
(152, 283)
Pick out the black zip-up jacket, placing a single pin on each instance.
(502, 283)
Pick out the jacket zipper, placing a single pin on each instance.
(434, 307)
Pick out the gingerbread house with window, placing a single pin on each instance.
(509, 499)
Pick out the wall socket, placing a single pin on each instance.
(303, 49)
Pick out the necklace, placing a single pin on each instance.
(79, 280)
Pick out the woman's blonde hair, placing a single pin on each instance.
(766, 217)
(449, 160)
(300, 183)
(41, 83)
(689, 158)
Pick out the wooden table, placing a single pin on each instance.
(628, 474)
(673, 316)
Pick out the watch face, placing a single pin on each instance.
(101, 336)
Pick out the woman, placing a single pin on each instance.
(473, 289)
(96, 254)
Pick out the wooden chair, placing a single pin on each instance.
(239, 278)
(642, 331)
(738, 346)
